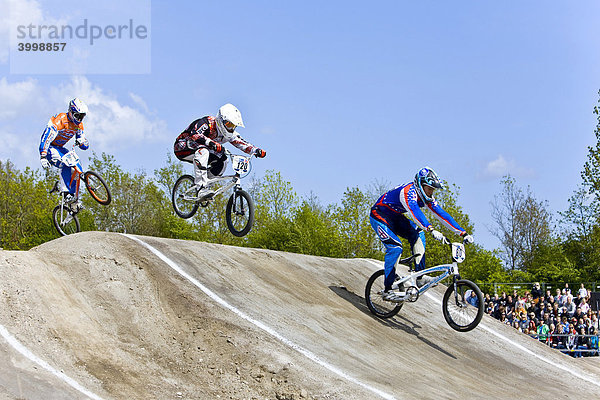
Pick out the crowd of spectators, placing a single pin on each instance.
(562, 320)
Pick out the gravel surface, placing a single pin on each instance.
(103, 310)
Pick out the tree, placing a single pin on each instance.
(25, 208)
(591, 168)
(523, 224)
(352, 219)
(506, 209)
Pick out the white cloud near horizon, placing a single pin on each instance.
(500, 166)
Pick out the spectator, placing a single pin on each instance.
(552, 338)
(472, 299)
(595, 323)
(583, 304)
(502, 301)
(548, 298)
(570, 307)
(581, 341)
(571, 343)
(536, 293)
(593, 342)
(510, 304)
(542, 332)
(582, 292)
(558, 298)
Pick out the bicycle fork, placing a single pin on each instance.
(238, 209)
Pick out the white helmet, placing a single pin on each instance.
(77, 110)
(228, 118)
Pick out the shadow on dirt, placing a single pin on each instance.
(394, 322)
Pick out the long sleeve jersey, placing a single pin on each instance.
(59, 131)
(202, 132)
(404, 200)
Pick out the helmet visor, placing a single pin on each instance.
(230, 126)
(79, 116)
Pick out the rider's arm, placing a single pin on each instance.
(82, 140)
(243, 145)
(445, 218)
(408, 199)
(48, 136)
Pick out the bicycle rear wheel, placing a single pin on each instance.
(378, 306)
(65, 222)
(463, 309)
(239, 213)
(184, 197)
(97, 188)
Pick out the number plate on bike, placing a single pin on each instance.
(240, 164)
(458, 252)
(70, 159)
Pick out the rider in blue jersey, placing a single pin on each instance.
(398, 213)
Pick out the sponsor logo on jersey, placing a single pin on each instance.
(382, 234)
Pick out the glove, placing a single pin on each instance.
(437, 235)
(79, 142)
(260, 153)
(215, 146)
(45, 163)
(468, 238)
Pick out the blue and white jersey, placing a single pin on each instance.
(404, 200)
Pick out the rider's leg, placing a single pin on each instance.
(64, 181)
(201, 167)
(218, 164)
(416, 237)
(393, 250)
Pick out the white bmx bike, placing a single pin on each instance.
(462, 304)
(239, 212)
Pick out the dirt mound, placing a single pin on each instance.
(235, 323)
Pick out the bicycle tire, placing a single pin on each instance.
(68, 229)
(458, 313)
(184, 184)
(97, 187)
(378, 306)
(241, 212)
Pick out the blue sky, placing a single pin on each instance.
(343, 93)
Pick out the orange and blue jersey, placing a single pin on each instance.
(404, 201)
(59, 131)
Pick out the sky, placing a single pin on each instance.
(339, 93)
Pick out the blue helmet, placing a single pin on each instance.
(427, 176)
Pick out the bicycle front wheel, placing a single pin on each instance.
(463, 308)
(184, 197)
(97, 188)
(240, 213)
(64, 221)
(373, 297)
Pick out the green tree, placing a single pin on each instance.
(25, 208)
(352, 219)
(591, 168)
(314, 231)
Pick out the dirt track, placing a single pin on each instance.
(108, 313)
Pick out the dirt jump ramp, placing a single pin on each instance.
(109, 316)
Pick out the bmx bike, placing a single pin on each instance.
(462, 304)
(239, 212)
(65, 213)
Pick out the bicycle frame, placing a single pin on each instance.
(413, 292)
(234, 183)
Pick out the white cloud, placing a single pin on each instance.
(18, 98)
(500, 167)
(16, 12)
(26, 106)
